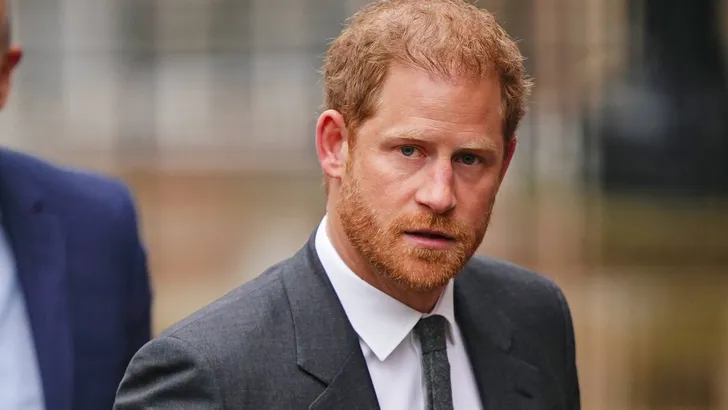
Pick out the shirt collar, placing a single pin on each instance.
(381, 321)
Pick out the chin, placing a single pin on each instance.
(423, 286)
(422, 276)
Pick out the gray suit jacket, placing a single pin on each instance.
(282, 341)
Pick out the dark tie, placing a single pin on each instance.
(435, 366)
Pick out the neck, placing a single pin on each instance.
(422, 301)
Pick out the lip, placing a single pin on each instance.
(443, 242)
(432, 232)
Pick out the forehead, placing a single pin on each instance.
(413, 100)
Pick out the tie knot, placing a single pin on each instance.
(431, 331)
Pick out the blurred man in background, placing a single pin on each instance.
(74, 290)
(385, 306)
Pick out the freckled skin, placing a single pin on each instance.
(432, 157)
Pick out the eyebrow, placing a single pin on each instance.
(473, 144)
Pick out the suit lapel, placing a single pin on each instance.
(505, 382)
(327, 347)
(350, 388)
(38, 248)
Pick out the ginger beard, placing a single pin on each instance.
(390, 255)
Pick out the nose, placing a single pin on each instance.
(437, 192)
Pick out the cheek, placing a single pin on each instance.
(476, 201)
(384, 182)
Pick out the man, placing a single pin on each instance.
(423, 99)
(74, 292)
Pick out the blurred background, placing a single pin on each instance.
(618, 189)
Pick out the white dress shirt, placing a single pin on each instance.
(20, 382)
(391, 350)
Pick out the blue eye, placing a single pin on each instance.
(469, 159)
(407, 150)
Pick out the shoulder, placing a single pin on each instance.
(534, 311)
(80, 195)
(508, 277)
(245, 338)
(84, 187)
(256, 310)
(236, 350)
(526, 296)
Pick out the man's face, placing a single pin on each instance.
(422, 175)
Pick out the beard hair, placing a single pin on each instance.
(384, 249)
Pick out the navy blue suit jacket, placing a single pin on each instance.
(83, 273)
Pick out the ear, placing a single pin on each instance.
(332, 143)
(510, 149)
(12, 58)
